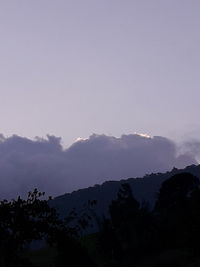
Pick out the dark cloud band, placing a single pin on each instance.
(45, 164)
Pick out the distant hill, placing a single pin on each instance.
(144, 190)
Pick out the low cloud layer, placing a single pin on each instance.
(45, 164)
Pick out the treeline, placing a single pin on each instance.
(168, 235)
(133, 235)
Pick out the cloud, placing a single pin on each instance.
(191, 147)
(45, 164)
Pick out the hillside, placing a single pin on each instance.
(144, 189)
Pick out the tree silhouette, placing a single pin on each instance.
(171, 230)
(176, 190)
(174, 209)
(23, 221)
(127, 233)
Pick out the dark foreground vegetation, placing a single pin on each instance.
(133, 234)
(23, 222)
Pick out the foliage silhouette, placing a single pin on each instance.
(23, 221)
(128, 232)
(133, 234)
(174, 207)
(168, 235)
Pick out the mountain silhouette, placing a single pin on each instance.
(144, 189)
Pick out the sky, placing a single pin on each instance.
(72, 68)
